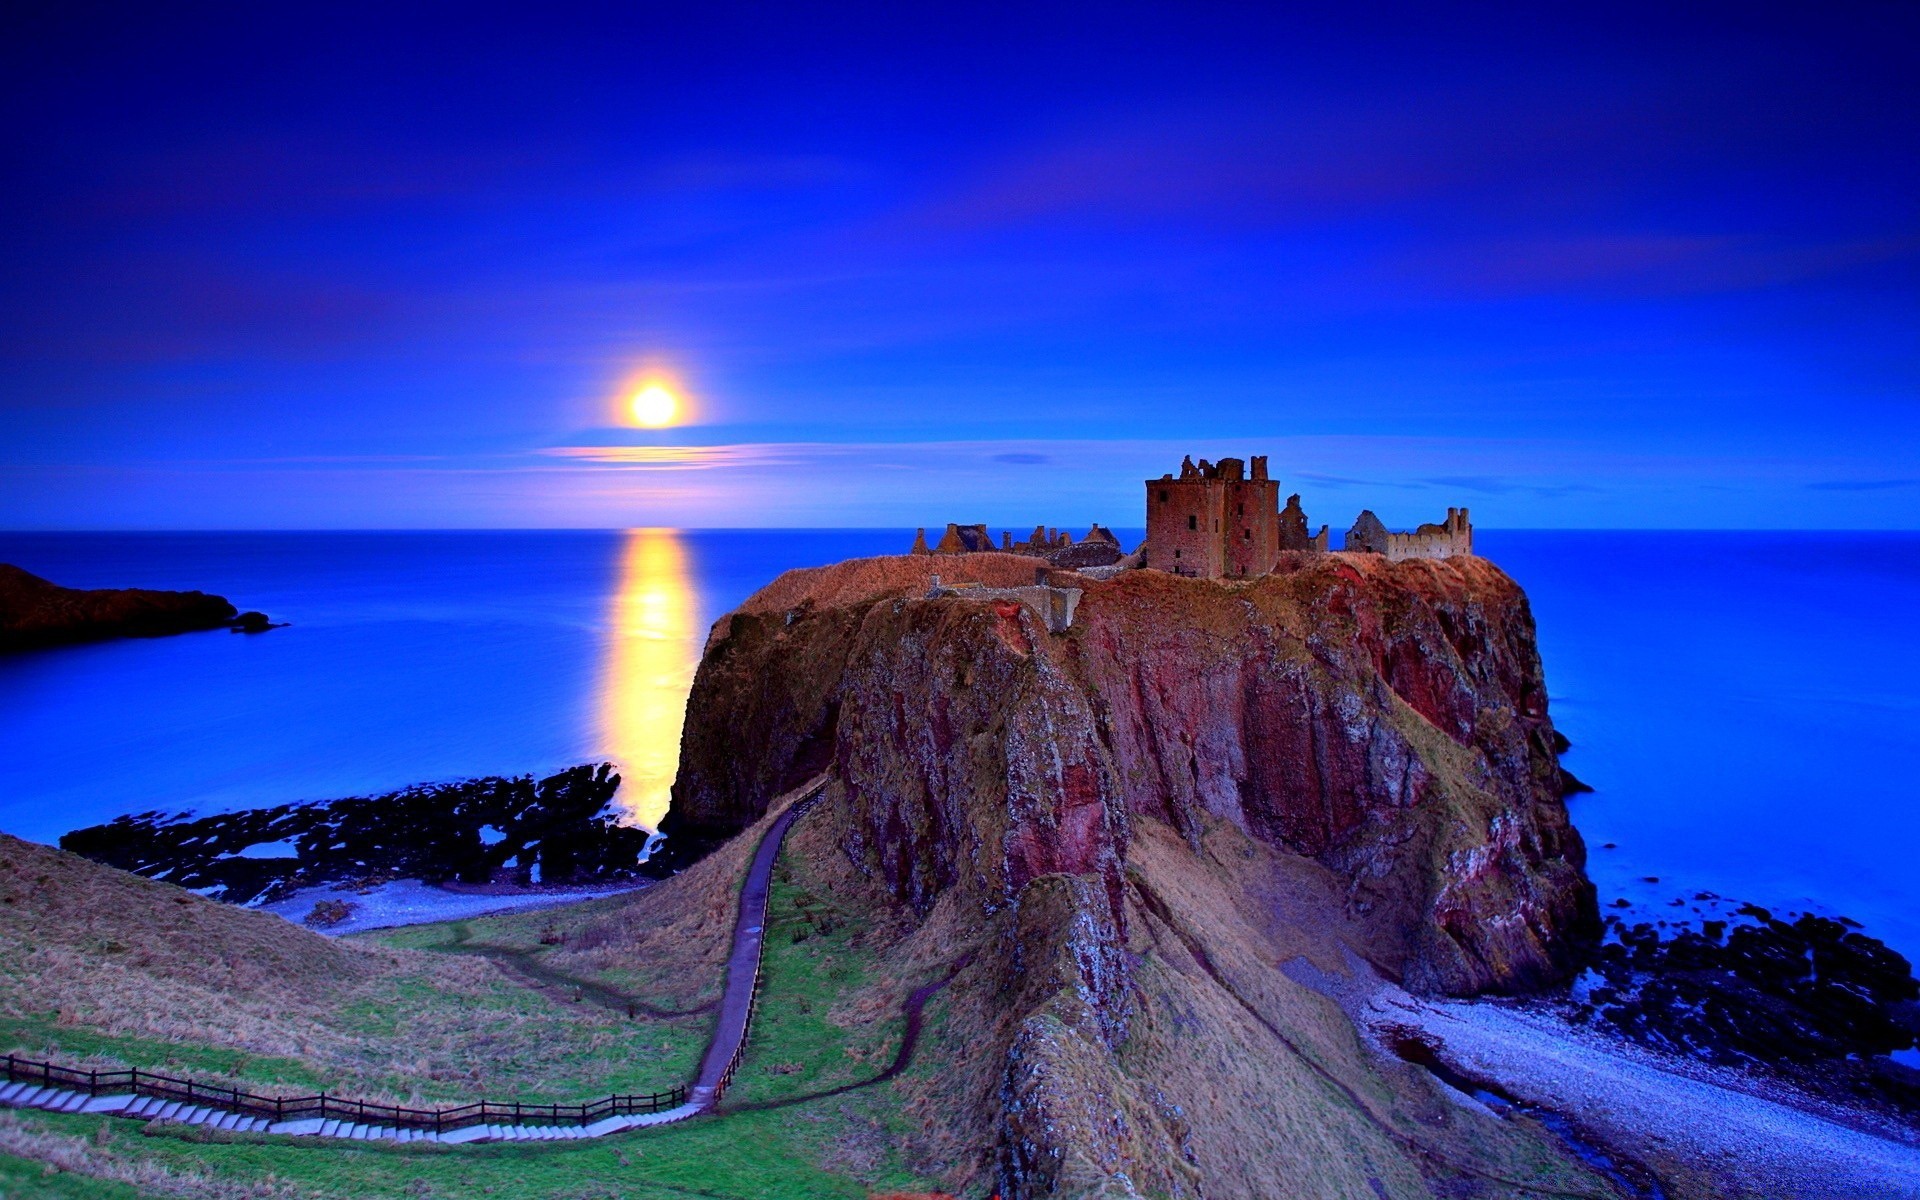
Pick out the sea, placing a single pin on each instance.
(1746, 706)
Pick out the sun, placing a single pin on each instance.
(654, 406)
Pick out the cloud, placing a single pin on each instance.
(1493, 485)
(1023, 460)
(1862, 485)
(675, 458)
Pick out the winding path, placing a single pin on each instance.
(722, 1058)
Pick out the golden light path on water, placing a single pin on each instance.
(651, 658)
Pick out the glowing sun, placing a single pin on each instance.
(654, 406)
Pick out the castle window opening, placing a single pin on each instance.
(1193, 522)
(1163, 495)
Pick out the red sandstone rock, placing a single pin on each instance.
(1387, 719)
(34, 612)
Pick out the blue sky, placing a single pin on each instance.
(394, 266)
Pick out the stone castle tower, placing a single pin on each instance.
(1215, 519)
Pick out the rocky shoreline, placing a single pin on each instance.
(517, 833)
(36, 613)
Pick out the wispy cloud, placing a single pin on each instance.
(1493, 485)
(1862, 485)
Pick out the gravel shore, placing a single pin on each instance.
(1706, 1131)
(411, 902)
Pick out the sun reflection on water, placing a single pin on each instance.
(650, 663)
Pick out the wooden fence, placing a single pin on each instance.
(332, 1108)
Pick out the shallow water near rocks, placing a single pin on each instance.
(1745, 704)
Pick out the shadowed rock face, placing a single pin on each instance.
(1387, 719)
(34, 612)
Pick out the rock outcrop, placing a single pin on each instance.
(1388, 720)
(34, 612)
(1149, 814)
(515, 831)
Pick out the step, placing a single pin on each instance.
(64, 1101)
(456, 1137)
(32, 1096)
(228, 1121)
(141, 1106)
(109, 1104)
(329, 1128)
(9, 1091)
(194, 1115)
(167, 1110)
(357, 1132)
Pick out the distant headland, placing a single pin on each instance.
(35, 612)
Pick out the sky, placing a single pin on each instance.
(277, 266)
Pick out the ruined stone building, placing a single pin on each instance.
(1098, 549)
(1444, 540)
(1223, 520)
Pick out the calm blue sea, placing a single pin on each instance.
(1747, 705)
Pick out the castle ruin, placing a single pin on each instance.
(1215, 520)
(1223, 520)
(1099, 548)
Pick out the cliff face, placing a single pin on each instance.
(34, 612)
(1132, 826)
(1387, 720)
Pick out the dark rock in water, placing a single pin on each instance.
(253, 622)
(34, 612)
(1570, 785)
(554, 831)
(1767, 993)
(1560, 743)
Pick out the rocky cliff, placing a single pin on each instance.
(1388, 720)
(34, 612)
(1347, 763)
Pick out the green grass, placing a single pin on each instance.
(406, 1039)
(748, 1156)
(24, 1179)
(42, 1037)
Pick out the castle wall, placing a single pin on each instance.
(1183, 526)
(1446, 539)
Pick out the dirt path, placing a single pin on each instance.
(525, 968)
(913, 1008)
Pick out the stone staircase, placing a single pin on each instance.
(27, 1095)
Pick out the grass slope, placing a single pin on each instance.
(550, 1019)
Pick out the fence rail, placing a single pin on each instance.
(333, 1108)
